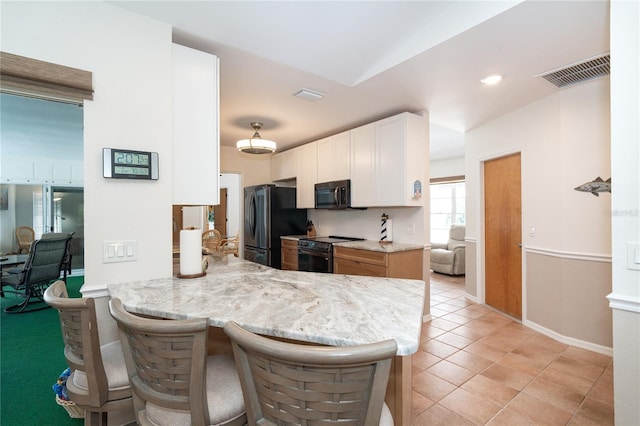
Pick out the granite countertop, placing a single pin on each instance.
(293, 237)
(378, 246)
(367, 245)
(332, 309)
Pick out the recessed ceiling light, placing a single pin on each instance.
(492, 79)
(308, 94)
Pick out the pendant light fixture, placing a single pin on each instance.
(256, 145)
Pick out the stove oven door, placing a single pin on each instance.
(314, 260)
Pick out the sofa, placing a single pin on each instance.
(449, 258)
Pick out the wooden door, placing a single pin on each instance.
(503, 234)
(177, 224)
(220, 212)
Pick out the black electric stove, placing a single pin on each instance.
(315, 254)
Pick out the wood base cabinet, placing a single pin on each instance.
(400, 264)
(289, 252)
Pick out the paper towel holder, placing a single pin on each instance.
(204, 263)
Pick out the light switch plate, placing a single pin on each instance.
(119, 251)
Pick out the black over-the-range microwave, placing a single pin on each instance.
(334, 195)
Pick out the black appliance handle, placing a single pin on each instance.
(314, 253)
(252, 215)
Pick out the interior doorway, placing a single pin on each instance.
(220, 214)
(503, 234)
(66, 214)
(231, 194)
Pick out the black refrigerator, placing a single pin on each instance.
(269, 213)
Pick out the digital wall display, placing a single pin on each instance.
(128, 164)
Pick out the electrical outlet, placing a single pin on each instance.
(410, 229)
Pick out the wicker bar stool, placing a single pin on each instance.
(173, 380)
(98, 382)
(286, 383)
(211, 240)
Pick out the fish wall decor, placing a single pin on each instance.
(595, 186)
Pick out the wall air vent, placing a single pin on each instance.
(595, 67)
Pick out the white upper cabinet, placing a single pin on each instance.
(307, 161)
(284, 165)
(363, 192)
(196, 130)
(334, 154)
(388, 162)
(385, 161)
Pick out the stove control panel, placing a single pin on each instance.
(315, 245)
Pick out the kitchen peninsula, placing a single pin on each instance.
(329, 309)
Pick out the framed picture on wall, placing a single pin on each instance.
(4, 197)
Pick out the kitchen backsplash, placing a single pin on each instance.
(408, 223)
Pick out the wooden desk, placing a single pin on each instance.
(325, 309)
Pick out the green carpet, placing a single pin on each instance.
(31, 359)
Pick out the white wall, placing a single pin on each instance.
(625, 205)
(130, 58)
(235, 199)
(235, 206)
(366, 223)
(255, 169)
(565, 142)
(8, 242)
(447, 167)
(193, 217)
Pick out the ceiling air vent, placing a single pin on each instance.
(591, 68)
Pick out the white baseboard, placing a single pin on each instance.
(474, 299)
(604, 350)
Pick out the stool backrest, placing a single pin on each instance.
(166, 361)
(81, 341)
(296, 383)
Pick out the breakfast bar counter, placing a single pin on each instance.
(330, 309)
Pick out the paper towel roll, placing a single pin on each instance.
(389, 230)
(190, 251)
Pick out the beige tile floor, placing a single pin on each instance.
(476, 366)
